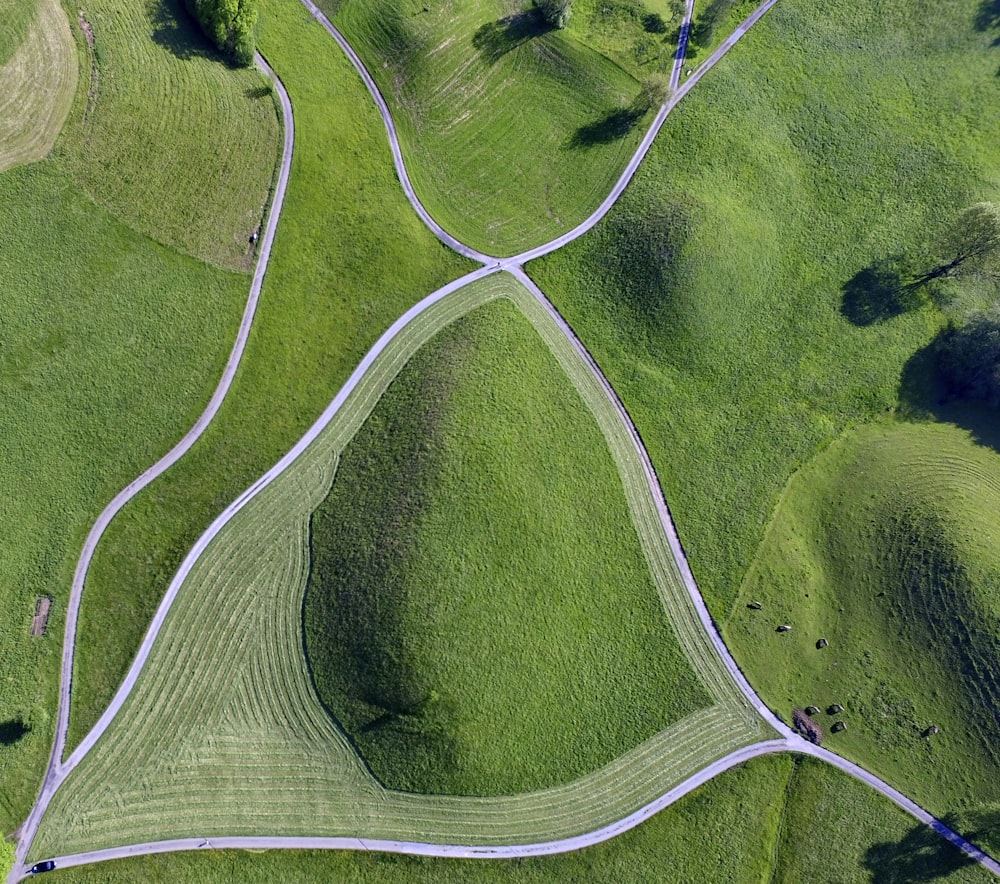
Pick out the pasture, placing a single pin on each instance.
(513, 133)
(350, 256)
(224, 732)
(37, 80)
(770, 819)
(480, 617)
(886, 545)
(715, 294)
(110, 343)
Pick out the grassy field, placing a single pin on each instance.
(350, 256)
(212, 750)
(479, 613)
(109, 347)
(713, 294)
(37, 80)
(887, 546)
(157, 102)
(512, 133)
(769, 820)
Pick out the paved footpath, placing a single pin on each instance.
(789, 741)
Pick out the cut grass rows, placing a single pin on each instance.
(508, 128)
(886, 545)
(279, 742)
(37, 82)
(350, 256)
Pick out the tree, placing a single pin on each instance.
(969, 358)
(555, 12)
(652, 94)
(230, 25)
(971, 245)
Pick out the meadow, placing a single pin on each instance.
(224, 733)
(886, 545)
(713, 295)
(350, 256)
(110, 345)
(512, 132)
(479, 615)
(771, 819)
(17, 17)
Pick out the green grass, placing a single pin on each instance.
(17, 17)
(224, 733)
(887, 546)
(158, 103)
(737, 828)
(37, 83)
(508, 130)
(350, 256)
(109, 347)
(712, 294)
(479, 613)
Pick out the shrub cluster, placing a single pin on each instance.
(230, 24)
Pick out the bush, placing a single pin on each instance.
(6, 857)
(969, 358)
(230, 25)
(555, 12)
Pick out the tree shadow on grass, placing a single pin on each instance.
(613, 126)
(11, 731)
(496, 38)
(177, 32)
(878, 293)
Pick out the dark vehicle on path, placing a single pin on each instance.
(46, 866)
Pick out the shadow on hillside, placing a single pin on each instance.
(921, 855)
(923, 395)
(11, 731)
(612, 127)
(177, 32)
(877, 293)
(496, 38)
(988, 16)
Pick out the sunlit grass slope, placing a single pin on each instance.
(887, 545)
(768, 820)
(350, 256)
(480, 615)
(37, 82)
(224, 733)
(166, 136)
(506, 126)
(832, 136)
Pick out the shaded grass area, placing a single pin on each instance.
(480, 615)
(157, 103)
(487, 101)
(767, 820)
(886, 545)
(711, 295)
(350, 256)
(109, 345)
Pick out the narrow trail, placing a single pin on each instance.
(789, 741)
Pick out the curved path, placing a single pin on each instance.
(54, 774)
(790, 741)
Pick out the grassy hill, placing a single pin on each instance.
(713, 295)
(512, 132)
(887, 546)
(480, 616)
(768, 820)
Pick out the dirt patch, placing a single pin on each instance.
(807, 727)
(88, 33)
(41, 618)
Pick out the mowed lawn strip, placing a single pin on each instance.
(17, 17)
(350, 256)
(770, 819)
(480, 615)
(886, 546)
(712, 295)
(512, 132)
(224, 732)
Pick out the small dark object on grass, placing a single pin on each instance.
(839, 726)
(812, 710)
(834, 709)
(253, 237)
(932, 730)
(755, 606)
(783, 628)
(822, 643)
